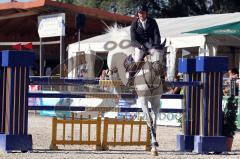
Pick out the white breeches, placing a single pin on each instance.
(137, 55)
(156, 55)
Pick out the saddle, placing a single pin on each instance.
(132, 68)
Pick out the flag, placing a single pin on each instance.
(17, 47)
(185, 52)
(27, 46)
(202, 51)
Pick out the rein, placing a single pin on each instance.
(157, 71)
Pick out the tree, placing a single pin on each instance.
(226, 6)
(162, 8)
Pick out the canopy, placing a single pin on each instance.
(172, 29)
(225, 29)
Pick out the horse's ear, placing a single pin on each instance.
(163, 43)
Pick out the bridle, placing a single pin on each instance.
(156, 70)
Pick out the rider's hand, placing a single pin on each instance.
(148, 45)
(143, 48)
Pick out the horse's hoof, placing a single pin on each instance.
(154, 153)
(155, 144)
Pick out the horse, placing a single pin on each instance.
(148, 83)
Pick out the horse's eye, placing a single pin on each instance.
(110, 45)
(124, 44)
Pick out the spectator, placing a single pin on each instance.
(48, 71)
(232, 74)
(176, 90)
(104, 74)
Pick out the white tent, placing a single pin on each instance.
(170, 28)
(173, 30)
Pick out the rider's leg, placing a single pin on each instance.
(137, 55)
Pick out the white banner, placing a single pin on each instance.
(51, 25)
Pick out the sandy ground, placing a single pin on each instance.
(40, 128)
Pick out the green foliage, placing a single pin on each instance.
(226, 6)
(229, 117)
(162, 8)
(179, 120)
(66, 1)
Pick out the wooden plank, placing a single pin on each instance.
(75, 142)
(64, 129)
(123, 126)
(131, 130)
(115, 129)
(72, 127)
(139, 130)
(98, 132)
(54, 131)
(128, 143)
(105, 132)
(84, 121)
(80, 128)
(89, 128)
(18, 15)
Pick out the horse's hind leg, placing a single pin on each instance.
(143, 101)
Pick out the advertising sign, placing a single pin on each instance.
(51, 25)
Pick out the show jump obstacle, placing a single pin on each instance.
(202, 114)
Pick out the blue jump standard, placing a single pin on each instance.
(205, 137)
(206, 144)
(185, 142)
(210, 139)
(15, 136)
(9, 143)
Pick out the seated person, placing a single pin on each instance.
(104, 74)
(145, 38)
(176, 90)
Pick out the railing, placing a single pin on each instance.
(123, 123)
(72, 141)
(101, 140)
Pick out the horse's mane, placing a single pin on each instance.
(118, 33)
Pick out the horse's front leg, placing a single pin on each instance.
(155, 105)
(143, 101)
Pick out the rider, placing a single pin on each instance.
(145, 38)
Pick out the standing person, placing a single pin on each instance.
(232, 74)
(145, 37)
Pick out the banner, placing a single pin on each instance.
(51, 25)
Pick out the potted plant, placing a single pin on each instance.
(229, 120)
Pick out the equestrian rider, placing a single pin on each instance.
(145, 37)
